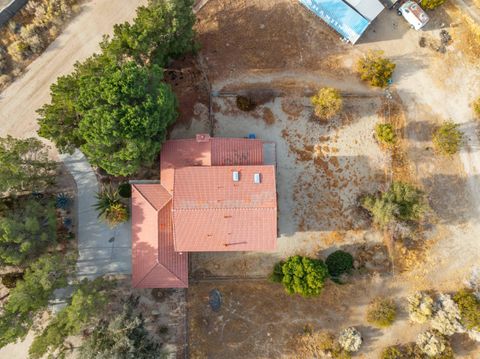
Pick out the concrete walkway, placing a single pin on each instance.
(101, 250)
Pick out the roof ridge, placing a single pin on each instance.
(149, 202)
(163, 266)
(223, 208)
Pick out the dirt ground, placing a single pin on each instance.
(322, 168)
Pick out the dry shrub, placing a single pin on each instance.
(420, 307)
(268, 116)
(382, 312)
(4, 80)
(319, 345)
(18, 50)
(468, 36)
(476, 108)
(327, 102)
(3, 60)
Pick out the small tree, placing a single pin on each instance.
(31, 295)
(431, 4)
(277, 273)
(447, 316)
(469, 306)
(420, 307)
(339, 262)
(447, 138)
(305, 276)
(376, 69)
(350, 339)
(476, 107)
(382, 312)
(26, 229)
(385, 134)
(327, 102)
(401, 203)
(24, 165)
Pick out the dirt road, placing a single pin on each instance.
(79, 40)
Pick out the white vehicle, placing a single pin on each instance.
(414, 14)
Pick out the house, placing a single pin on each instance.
(350, 18)
(215, 195)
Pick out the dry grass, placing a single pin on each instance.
(467, 36)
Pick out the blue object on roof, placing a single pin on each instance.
(251, 136)
(340, 16)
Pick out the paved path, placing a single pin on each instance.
(80, 39)
(101, 250)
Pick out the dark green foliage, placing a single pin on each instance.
(9, 280)
(125, 190)
(277, 274)
(31, 295)
(63, 201)
(401, 203)
(382, 312)
(245, 103)
(24, 165)
(110, 208)
(339, 262)
(124, 336)
(448, 138)
(87, 303)
(27, 227)
(469, 306)
(115, 107)
(303, 275)
(161, 31)
(431, 4)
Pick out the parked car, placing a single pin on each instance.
(414, 14)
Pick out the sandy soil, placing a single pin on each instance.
(79, 40)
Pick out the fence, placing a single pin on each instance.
(10, 10)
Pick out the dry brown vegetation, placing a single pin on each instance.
(29, 33)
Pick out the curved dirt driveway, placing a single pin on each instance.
(79, 40)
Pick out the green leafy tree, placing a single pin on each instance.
(60, 118)
(431, 4)
(327, 103)
(24, 165)
(401, 203)
(161, 31)
(26, 229)
(382, 312)
(385, 134)
(303, 275)
(31, 295)
(87, 302)
(448, 138)
(124, 336)
(375, 69)
(469, 306)
(339, 262)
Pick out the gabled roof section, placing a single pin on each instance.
(236, 151)
(155, 264)
(212, 212)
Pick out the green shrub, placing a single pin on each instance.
(469, 306)
(125, 190)
(476, 107)
(447, 138)
(245, 103)
(277, 274)
(401, 203)
(339, 262)
(110, 209)
(431, 4)
(392, 352)
(382, 312)
(327, 102)
(376, 69)
(385, 134)
(304, 276)
(9, 280)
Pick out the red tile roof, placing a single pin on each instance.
(236, 151)
(211, 212)
(155, 264)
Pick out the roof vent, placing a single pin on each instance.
(236, 176)
(203, 137)
(256, 178)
